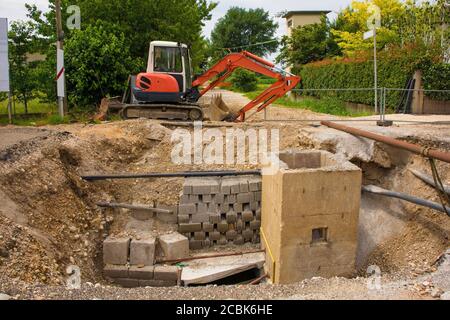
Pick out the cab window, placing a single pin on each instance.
(167, 59)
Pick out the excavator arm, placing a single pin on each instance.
(225, 67)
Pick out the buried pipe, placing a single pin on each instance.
(429, 180)
(427, 152)
(181, 174)
(406, 197)
(132, 207)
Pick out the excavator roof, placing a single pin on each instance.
(167, 44)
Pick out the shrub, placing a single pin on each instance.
(244, 80)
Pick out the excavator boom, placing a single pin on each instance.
(246, 60)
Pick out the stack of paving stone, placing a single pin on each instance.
(220, 211)
(131, 262)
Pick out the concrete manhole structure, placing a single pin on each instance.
(310, 210)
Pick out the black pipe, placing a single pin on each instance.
(406, 197)
(171, 175)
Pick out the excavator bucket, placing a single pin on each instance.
(217, 110)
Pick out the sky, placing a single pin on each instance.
(15, 9)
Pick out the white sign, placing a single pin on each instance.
(368, 34)
(60, 73)
(4, 64)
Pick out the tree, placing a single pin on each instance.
(134, 23)
(241, 27)
(98, 63)
(308, 43)
(402, 24)
(23, 76)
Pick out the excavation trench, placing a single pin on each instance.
(49, 218)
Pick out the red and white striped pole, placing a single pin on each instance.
(60, 71)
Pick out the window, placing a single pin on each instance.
(289, 23)
(167, 59)
(319, 235)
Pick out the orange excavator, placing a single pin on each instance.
(167, 90)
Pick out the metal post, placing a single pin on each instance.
(62, 101)
(375, 67)
(9, 107)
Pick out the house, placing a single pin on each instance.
(296, 19)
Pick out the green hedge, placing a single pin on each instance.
(437, 77)
(393, 72)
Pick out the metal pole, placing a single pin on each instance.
(426, 152)
(375, 67)
(62, 101)
(9, 107)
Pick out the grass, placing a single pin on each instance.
(34, 106)
(329, 105)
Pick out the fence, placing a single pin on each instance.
(389, 101)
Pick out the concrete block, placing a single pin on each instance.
(157, 283)
(231, 217)
(206, 243)
(142, 252)
(187, 188)
(223, 241)
(195, 244)
(231, 198)
(166, 273)
(255, 224)
(224, 208)
(222, 227)
(207, 198)
(183, 218)
(115, 271)
(229, 186)
(247, 216)
(207, 227)
(194, 198)
(245, 197)
(145, 273)
(238, 207)
(254, 184)
(255, 205)
(184, 199)
(213, 207)
(202, 207)
(247, 234)
(294, 205)
(200, 218)
(219, 198)
(205, 186)
(189, 227)
(214, 218)
(188, 208)
(258, 196)
(127, 282)
(115, 251)
(174, 246)
(258, 214)
(240, 225)
(239, 240)
(199, 235)
(214, 236)
(243, 186)
(231, 234)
